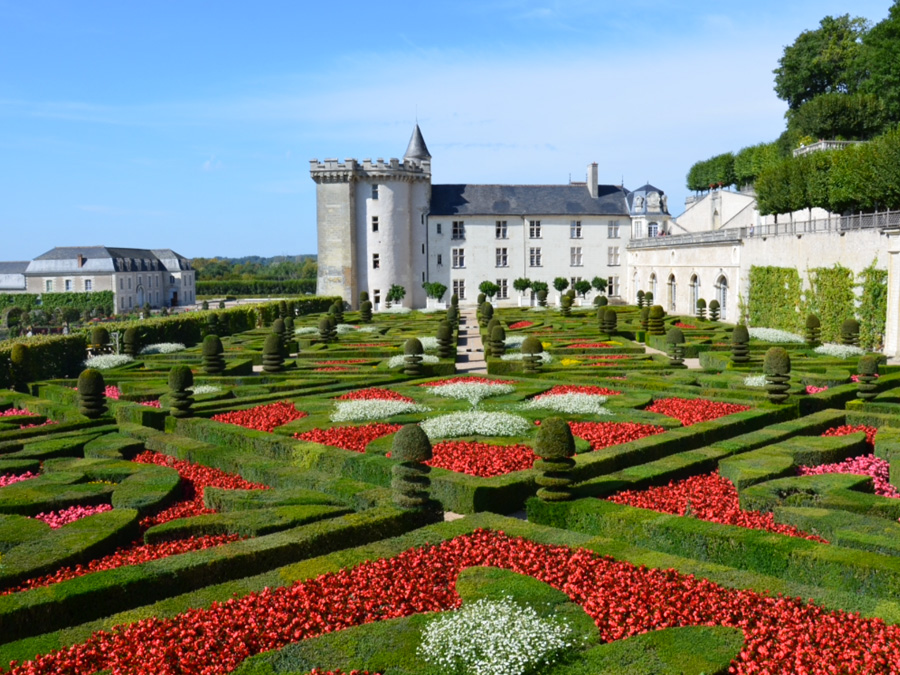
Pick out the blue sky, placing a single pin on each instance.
(190, 125)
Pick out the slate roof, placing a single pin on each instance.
(103, 259)
(574, 200)
(417, 148)
(14, 267)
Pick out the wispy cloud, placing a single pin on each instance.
(212, 164)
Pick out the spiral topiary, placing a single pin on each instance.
(91, 393)
(282, 308)
(714, 308)
(655, 324)
(867, 370)
(645, 319)
(279, 328)
(338, 311)
(648, 299)
(701, 309)
(542, 298)
(212, 324)
(740, 344)
(454, 300)
(365, 311)
(555, 446)
(601, 301)
(132, 341)
(180, 399)
(777, 367)
(487, 311)
(288, 329)
(675, 340)
(445, 340)
(531, 354)
(363, 297)
(410, 485)
(850, 332)
(273, 354)
(565, 305)
(640, 299)
(99, 337)
(610, 322)
(813, 331)
(20, 360)
(498, 341)
(453, 315)
(327, 331)
(412, 359)
(482, 298)
(213, 355)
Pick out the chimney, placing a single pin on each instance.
(592, 179)
(80, 261)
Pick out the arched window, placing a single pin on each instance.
(695, 292)
(722, 296)
(653, 288)
(671, 294)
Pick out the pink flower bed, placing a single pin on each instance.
(867, 465)
(16, 412)
(113, 392)
(56, 519)
(812, 389)
(9, 480)
(592, 345)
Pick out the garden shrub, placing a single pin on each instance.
(675, 341)
(610, 322)
(91, 393)
(273, 353)
(410, 483)
(655, 325)
(565, 305)
(850, 332)
(867, 370)
(531, 354)
(180, 380)
(445, 340)
(714, 308)
(365, 311)
(412, 359)
(777, 367)
(813, 331)
(740, 344)
(701, 309)
(213, 355)
(498, 342)
(99, 336)
(555, 445)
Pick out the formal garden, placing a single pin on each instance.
(293, 488)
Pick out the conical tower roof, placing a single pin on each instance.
(417, 148)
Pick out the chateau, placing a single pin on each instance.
(383, 223)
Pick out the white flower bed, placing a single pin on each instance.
(373, 410)
(368, 329)
(473, 392)
(306, 330)
(571, 403)
(538, 308)
(205, 389)
(399, 360)
(774, 335)
(344, 328)
(475, 424)
(395, 309)
(493, 637)
(163, 348)
(514, 341)
(429, 343)
(755, 381)
(430, 310)
(839, 351)
(518, 356)
(106, 361)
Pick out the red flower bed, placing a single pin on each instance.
(334, 369)
(685, 325)
(374, 394)
(520, 324)
(469, 379)
(481, 459)
(365, 345)
(782, 635)
(604, 434)
(592, 345)
(349, 438)
(134, 555)
(692, 410)
(341, 362)
(604, 357)
(195, 478)
(848, 429)
(578, 389)
(867, 465)
(708, 497)
(262, 417)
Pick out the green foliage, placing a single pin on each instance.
(775, 298)
(655, 325)
(675, 336)
(273, 353)
(752, 160)
(714, 307)
(839, 116)
(872, 310)
(489, 288)
(100, 336)
(599, 284)
(777, 361)
(831, 298)
(180, 399)
(410, 482)
(365, 311)
(522, 284)
(180, 378)
(555, 445)
(50, 301)
(582, 287)
(560, 284)
(542, 297)
(850, 332)
(396, 293)
(413, 346)
(565, 305)
(813, 331)
(882, 54)
(91, 393)
(434, 289)
(712, 172)
(256, 287)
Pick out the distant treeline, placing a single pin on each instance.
(256, 287)
(256, 267)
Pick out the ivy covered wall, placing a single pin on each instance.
(775, 298)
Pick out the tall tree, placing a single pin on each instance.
(852, 117)
(822, 61)
(882, 59)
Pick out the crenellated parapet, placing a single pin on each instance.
(350, 170)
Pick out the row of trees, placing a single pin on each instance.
(256, 267)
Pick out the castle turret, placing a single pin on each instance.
(417, 149)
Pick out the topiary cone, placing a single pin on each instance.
(273, 356)
(640, 299)
(212, 354)
(867, 370)
(365, 311)
(445, 340)
(542, 298)
(645, 319)
(99, 337)
(412, 359)
(850, 332)
(655, 324)
(740, 344)
(555, 446)
(777, 367)
(410, 484)
(610, 322)
(701, 309)
(813, 331)
(531, 354)
(181, 401)
(91, 393)
(498, 342)
(132, 341)
(565, 305)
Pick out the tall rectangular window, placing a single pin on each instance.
(459, 288)
(503, 293)
(129, 283)
(534, 229)
(121, 286)
(573, 281)
(48, 286)
(376, 261)
(575, 229)
(534, 257)
(440, 260)
(459, 257)
(502, 257)
(376, 296)
(375, 191)
(459, 230)
(612, 255)
(68, 284)
(612, 286)
(88, 285)
(438, 231)
(374, 223)
(500, 229)
(612, 229)
(575, 256)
